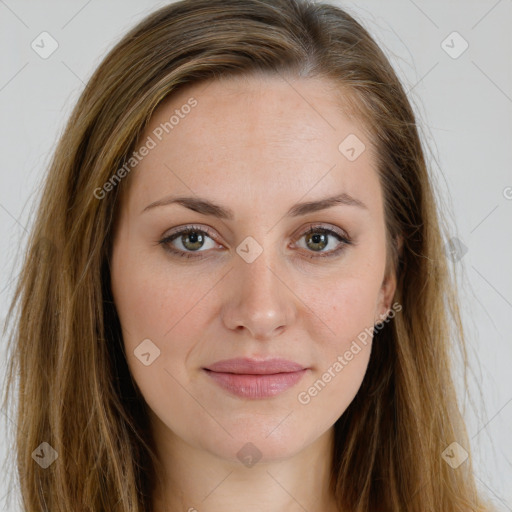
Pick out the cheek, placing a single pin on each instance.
(155, 313)
(347, 307)
(151, 298)
(171, 308)
(346, 303)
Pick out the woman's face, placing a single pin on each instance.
(254, 159)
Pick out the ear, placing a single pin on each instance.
(388, 287)
(386, 293)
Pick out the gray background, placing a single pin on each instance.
(464, 107)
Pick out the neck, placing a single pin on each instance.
(195, 480)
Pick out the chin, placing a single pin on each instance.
(259, 441)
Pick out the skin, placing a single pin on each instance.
(257, 146)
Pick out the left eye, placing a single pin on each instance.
(318, 238)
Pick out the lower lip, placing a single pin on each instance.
(256, 386)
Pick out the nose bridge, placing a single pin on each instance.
(258, 276)
(258, 300)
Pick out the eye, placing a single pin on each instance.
(317, 238)
(191, 239)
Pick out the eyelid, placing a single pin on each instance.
(190, 227)
(322, 226)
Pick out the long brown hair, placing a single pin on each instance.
(75, 390)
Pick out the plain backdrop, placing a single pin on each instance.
(455, 60)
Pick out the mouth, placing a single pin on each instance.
(249, 378)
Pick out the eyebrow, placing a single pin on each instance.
(206, 207)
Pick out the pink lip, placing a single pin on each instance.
(248, 378)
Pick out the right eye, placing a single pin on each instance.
(191, 239)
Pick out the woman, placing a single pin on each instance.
(235, 291)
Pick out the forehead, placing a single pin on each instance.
(255, 135)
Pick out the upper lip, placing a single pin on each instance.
(248, 366)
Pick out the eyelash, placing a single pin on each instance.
(343, 238)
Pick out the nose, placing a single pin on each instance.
(259, 300)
